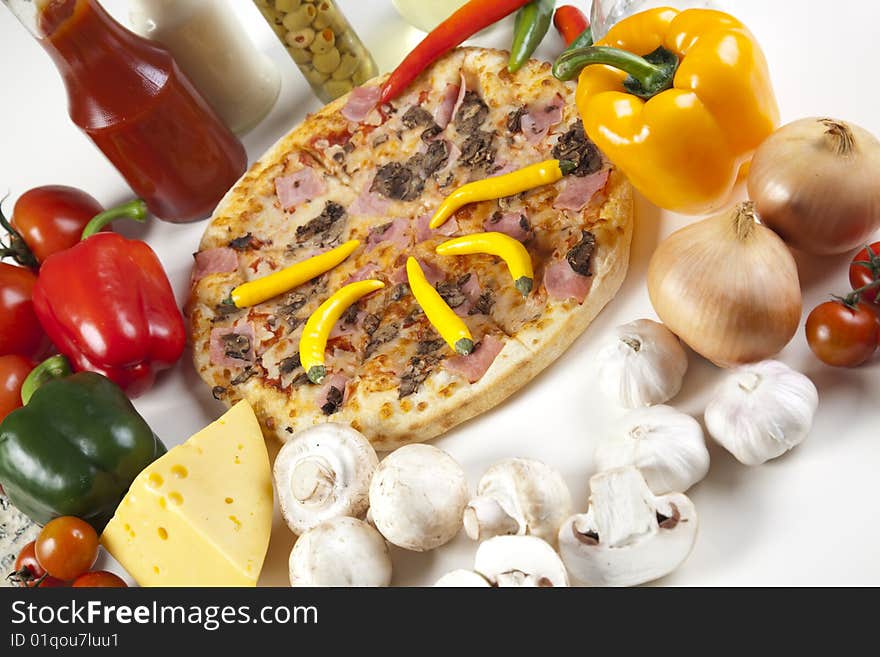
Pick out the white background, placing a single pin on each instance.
(809, 518)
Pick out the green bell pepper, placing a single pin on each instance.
(74, 448)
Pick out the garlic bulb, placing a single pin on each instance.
(640, 364)
(762, 411)
(728, 287)
(666, 445)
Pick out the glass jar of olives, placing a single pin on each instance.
(322, 43)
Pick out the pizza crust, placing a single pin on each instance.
(444, 400)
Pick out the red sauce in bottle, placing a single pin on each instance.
(129, 96)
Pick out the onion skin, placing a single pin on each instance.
(816, 182)
(728, 287)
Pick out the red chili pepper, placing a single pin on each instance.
(463, 24)
(571, 23)
(107, 305)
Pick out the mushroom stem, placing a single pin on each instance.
(622, 511)
(312, 480)
(484, 518)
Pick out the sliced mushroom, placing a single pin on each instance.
(340, 552)
(462, 579)
(417, 497)
(518, 496)
(322, 473)
(520, 561)
(629, 536)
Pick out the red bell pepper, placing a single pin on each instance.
(107, 305)
(463, 24)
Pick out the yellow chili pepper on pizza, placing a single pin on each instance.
(679, 101)
(265, 288)
(508, 184)
(512, 251)
(449, 325)
(313, 342)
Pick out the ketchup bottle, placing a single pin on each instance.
(129, 96)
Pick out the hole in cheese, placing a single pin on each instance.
(156, 480)
(229, 500)
(176, 497)
(179, 471)
(163, 533)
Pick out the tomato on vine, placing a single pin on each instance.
(67, 547)
(865, 270)
(29, 573)
(99, 579)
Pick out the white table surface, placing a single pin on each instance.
(808, 518)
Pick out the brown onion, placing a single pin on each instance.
(816, 182)
(728, 287)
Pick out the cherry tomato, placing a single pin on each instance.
(20, 330)
(67, 547)
(99, 579)
(842, 336)
(51, 218)
(13, 371)
(29, 573)
(861, 274)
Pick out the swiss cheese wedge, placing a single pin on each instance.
(201, 515)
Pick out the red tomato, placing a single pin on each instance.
(862, 274)
(20, 331)
(52, 218)
(13, 371)
(28, 571)
(842, 336)
(67, 547)
(99, 579)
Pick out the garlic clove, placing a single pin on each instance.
(760, 412)
(640, 364)
(666, 445)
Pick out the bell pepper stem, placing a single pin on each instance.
(647, 76)
(136, 210)
(56, 367)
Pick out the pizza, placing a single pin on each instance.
(355, 170)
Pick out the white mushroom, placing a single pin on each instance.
(761, 411)
(340, 552)
(518, 496)
(324, 472)
(629, 536)
(640, 364)
(417, 497)
(666, 445)
(520, 561)
(462, 579)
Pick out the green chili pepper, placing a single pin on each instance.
(74, 448)
(532, 23)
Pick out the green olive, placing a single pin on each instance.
(324, 41)
(300, 18)
(301, 38)
(287, 5)
(299, 55)
(328, 16)
(315, 77)
(327, 62)
(346, 67)
(366, 71)
(337, 88)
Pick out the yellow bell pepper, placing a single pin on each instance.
(512, 251)
(313, 342)
(679, 101)
(449, 325)
(265, 288)
(508, 184)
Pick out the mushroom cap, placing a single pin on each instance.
(640, 364)
(629, 536)
(520, 561)
(761, 411)
(518, 496)
(323, 472)
(340, 552)
(667, 446)
(417, 497)
(462, 579)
